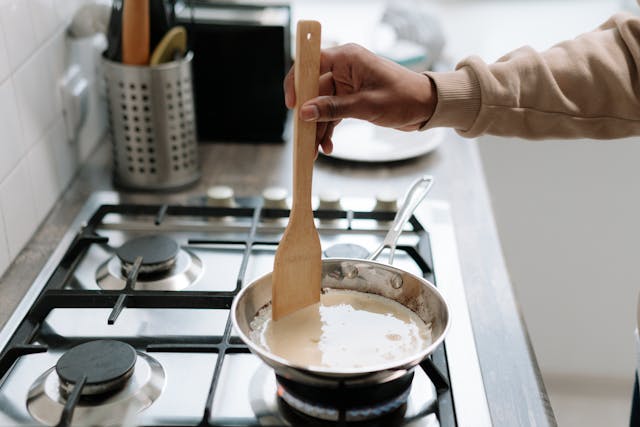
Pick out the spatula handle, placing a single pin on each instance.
(135, 32)
(307, 76)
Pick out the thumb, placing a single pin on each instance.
(329, 108)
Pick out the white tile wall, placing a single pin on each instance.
(12, 141)
(35, 93)
(19, 35)
(37, 159)
(45, 18)
(66, 8)
(44, 179)
(16, 201)
(58, 60)
(66, 154)
(4, 248)
(4, 59)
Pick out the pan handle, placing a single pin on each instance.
(412, 199)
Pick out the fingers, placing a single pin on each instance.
(289, 89)
(326, 87)
(327, 146)
(321, 130)
(330, 108)
(327, 142)
(409, 127)
(340, 56)
(310, 113)
(323, 136)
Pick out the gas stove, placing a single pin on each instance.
(128, 322)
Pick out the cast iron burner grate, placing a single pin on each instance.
(56, 294)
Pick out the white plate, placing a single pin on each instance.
(361, 141)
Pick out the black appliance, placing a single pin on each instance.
(241, 55)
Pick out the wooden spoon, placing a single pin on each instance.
(297, 269)
(135, 32)
(174, 42)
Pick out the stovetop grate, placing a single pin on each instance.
(54, 295)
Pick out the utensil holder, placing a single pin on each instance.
(152, 124)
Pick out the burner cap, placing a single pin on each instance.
(107, 365)
(154, 250)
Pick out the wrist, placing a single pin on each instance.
(431, 98)
(459, 99)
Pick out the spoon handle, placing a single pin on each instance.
(412, 199)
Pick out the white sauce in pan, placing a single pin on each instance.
(347, 329)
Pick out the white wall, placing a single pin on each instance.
(37, 161)
(568, 215)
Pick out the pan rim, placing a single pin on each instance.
(322, 371)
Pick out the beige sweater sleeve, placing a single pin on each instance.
(585, 87)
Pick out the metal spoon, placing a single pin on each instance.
(412, 199)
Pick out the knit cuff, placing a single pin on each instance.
(458, 99)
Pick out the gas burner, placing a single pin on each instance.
(158, 254)
(106, 364)
(292, 416)
(165, 266)
(346, 403)
(264, 388)
(124, 396)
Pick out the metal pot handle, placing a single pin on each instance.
(412, 199)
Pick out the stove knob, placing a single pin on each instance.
(330, 200)
(220, 196)
(275, 198)
(386, 201)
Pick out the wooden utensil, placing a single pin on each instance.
(174, 42)
(297, 269)
(135, 32)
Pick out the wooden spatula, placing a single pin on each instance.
(297, 269)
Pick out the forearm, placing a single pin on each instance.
(586, 87)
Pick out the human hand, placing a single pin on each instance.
(356, 83)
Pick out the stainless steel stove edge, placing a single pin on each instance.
(467, 385)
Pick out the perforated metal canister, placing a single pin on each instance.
(152, 124)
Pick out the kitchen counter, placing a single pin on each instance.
(515, 392)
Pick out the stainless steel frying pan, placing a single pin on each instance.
(361, 275)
